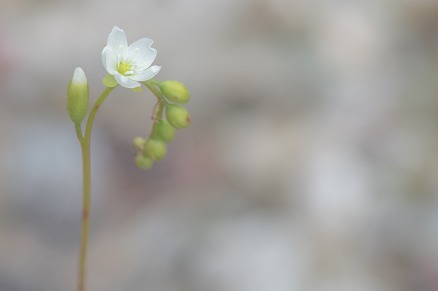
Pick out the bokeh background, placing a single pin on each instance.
(310, 163)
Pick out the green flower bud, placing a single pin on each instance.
(175, 91)
(164, 131)
(139, 143)
(177, 116)
(77, 96)
(155, 149)
(143, 162)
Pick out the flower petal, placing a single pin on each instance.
(146, 74)
(125, 81)
(79, 77)
(117, 40)
(109, 60)
(141, 43)
(103, 56)
(142, 53)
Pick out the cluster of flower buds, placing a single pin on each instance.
(168, 116)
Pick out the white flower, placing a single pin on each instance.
(129, 64)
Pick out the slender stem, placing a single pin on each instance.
(159, 107)
(155, 82)
(79, 132)
(85, 147)
(151, 86)
(93, 112)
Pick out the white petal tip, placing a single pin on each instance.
(156, 69)
(117, 28)
(79, 76)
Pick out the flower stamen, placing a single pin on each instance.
(125, 69)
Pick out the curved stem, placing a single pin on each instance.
(85, 147)
(155, 82)
(79, 132)
(159, 107)
(151, 86)
(93, 112)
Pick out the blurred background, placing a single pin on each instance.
(310, 163)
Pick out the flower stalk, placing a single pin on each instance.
(86, 194)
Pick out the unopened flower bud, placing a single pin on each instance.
(143, 162)
(164, 131)
(139, 143)
(177, 116)
(175, 91)
(77, 96)
(155, 149)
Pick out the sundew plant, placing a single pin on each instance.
(129, 66)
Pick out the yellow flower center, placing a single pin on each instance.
(125, 68)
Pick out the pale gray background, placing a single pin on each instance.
(310, 164)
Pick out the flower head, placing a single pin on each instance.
(129, 64)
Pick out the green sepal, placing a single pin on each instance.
(77, 101)
(109, 81)
(137, 89)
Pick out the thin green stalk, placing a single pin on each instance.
(79, 132)
(151, 86)
(85, 147)
(159, 107)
